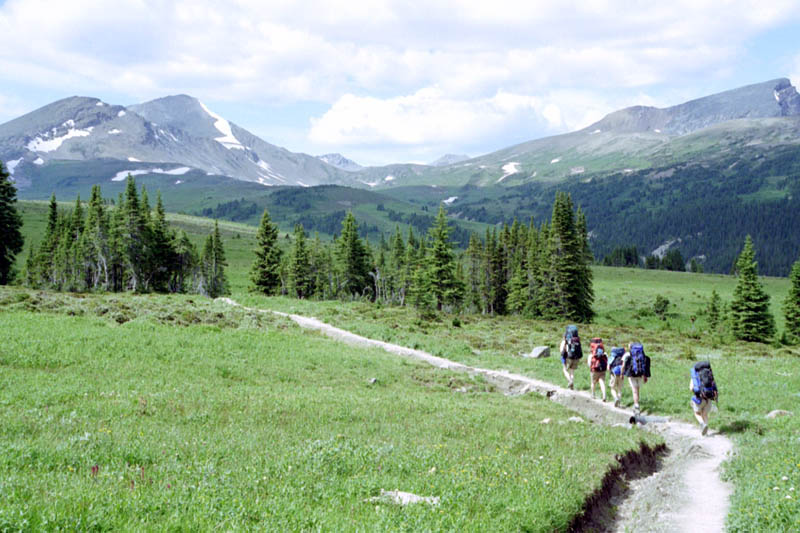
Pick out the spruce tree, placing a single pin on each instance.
(445, 287)
(354, 259)
(162, 248)
(751, 318)
(265, 272)
(791, 305)
(300, 280)
(11, 240)
(214, 282)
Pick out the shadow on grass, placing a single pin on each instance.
(740, 426)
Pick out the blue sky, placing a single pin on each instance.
(384, 81)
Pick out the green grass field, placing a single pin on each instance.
(173, 413)
(188, 356)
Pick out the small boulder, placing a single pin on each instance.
(539, 352)
(575, 419)
(545, 421)
(779, 412)
(373, 381)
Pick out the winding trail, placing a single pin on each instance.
(685, 493)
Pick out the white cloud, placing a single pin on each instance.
(462, 69)
(426, 116)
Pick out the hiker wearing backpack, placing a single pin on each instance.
(598, 364)
(571, 354)
(615, 371)
(704, 390)
(636, 367)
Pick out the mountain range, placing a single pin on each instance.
(182, 133)
(696, 176)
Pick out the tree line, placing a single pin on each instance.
(128, 248)
(539, 271)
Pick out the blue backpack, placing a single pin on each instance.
(703, 384)
(573, 343)
(638, 361)
(616, 360)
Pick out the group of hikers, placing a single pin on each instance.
(631, 363)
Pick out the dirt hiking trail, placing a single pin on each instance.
(677, 489)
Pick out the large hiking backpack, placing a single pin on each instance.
(596, 343)
(573, 343)
(616, 360)
(599, 361)
(703, 384)
(638, 362)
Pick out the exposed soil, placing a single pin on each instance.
(677, 488)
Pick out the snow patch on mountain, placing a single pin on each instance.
(121, 113)
(99, 104)
(509, 169)
(450, 200)
(389, 178)
(38, 161)
(42, 142)
(115, 131)
(11, 165)
(134, 160)
(554, 161)
(224, 127)
(120, 176)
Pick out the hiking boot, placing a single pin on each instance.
(704, 429)
(570, 386)
(616, 402)
(636, 409)
(604, 399)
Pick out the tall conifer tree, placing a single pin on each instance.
(750, 315)
(265, 272)
(11, 240)
(791, 305)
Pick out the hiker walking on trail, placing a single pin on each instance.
(636, 367)
(615, 371)
(705, 391)
(571, 354)
(598, 364)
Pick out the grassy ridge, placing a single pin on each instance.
(199, 416)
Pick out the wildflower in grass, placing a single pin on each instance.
(95, 470)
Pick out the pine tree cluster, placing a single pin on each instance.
(125, 248)
(538, 271)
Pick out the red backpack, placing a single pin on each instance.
(599, 361)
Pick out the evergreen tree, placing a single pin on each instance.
(353, 258)
(11, 240)
(751, 318)
(134, 238)
(162, 249)
(585, 298)
(215, 282)
(474, 274)
(446, 288)
(265, 272)
(300, 280)
(186, 261)
(791, 306)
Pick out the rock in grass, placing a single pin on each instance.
(779, 412)
(545, 421)
(373, 381)
(575, 419)
(538, 352)
(403, 498)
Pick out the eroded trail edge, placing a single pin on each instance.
(680, 490)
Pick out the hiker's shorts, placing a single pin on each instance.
(598, 376)
(635, 382)
(572, 364)
(615, 381)
(701, 408)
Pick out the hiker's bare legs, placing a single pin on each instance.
(568, 373)
(602, 387)
(635, 383)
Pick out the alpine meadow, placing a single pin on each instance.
(543, 276)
